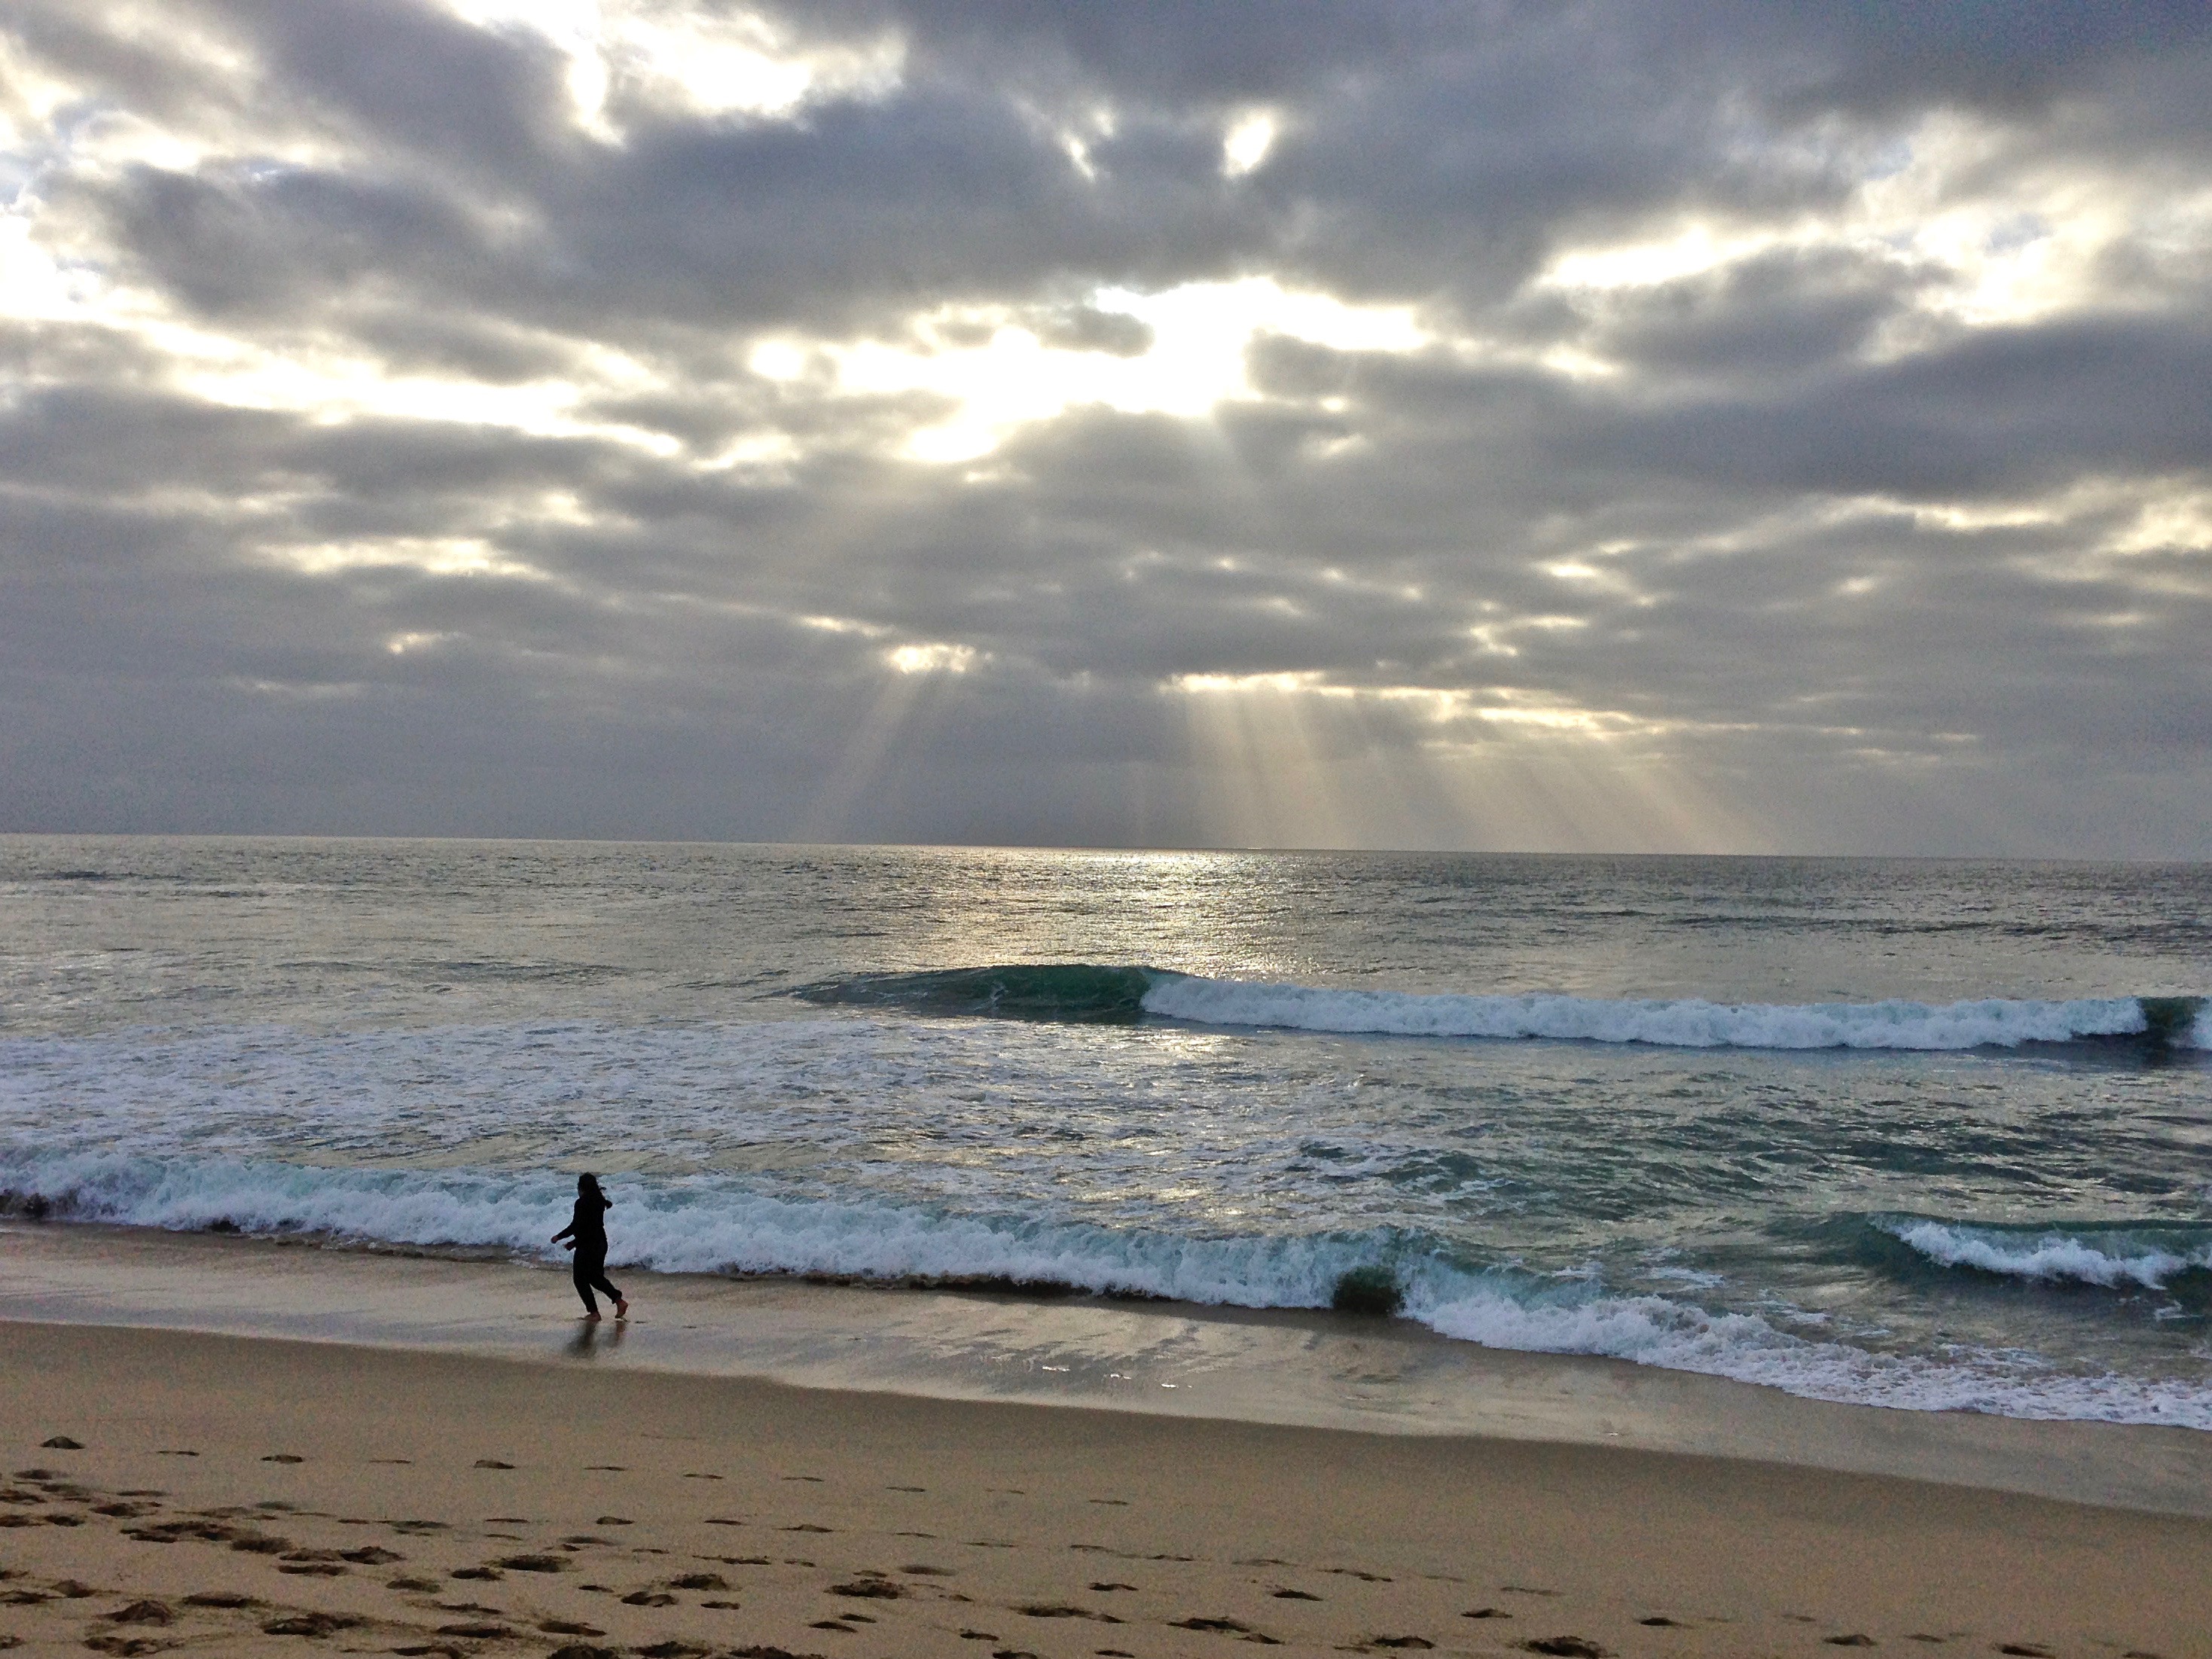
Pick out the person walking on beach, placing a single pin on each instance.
(586, 1232)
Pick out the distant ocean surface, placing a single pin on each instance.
(1922, 1135)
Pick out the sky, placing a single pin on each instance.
(1627, 426)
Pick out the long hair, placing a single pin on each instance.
(587, 1186)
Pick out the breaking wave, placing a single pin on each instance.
(2143, 1257)
(1087, 992)
(707, 1223)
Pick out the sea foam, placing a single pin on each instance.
(714, 1225)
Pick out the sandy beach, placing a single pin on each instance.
(249, 1495)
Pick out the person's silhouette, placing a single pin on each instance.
(587, 1233)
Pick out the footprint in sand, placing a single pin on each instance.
(1416, 1643)
(143, 1613)
(491, 1463)
(1567, 1647)
(1109, 1584)
(906, 1489)
(415, 1586)
(1063, 1611)
(568, 1627)
(694, 1475)
(220, 1599)
(283, 1457)
(62, 1443)
(1661, 1621)
(1855, 1639)
(309, 1623)
(1293, 1596)
(1226, 1626)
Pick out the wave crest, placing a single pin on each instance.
(1092, 992)
(2113, 1257)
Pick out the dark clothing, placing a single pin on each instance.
(588, 1227)
(589, 1270)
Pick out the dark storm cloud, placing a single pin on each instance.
(1861, 554)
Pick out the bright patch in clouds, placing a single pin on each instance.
(1196, 361)
(733, 63)
(935, 658)
(2043, 247)
(1247, 142)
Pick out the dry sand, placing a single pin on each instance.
(250, 1496)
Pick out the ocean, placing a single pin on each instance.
(1924, 1134)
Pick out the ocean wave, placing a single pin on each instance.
(1088, 992)
(715, 1225)
(2143, 1257)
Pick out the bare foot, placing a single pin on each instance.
(622, 1309)
(592, 1317)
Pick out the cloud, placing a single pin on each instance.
(1690, 426)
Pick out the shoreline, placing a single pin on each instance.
(1145, 1359)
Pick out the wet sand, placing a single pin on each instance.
(420, 1493)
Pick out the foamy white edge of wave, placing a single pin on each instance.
(2046, 1256)
(1687, 1024)
(699, 1224)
